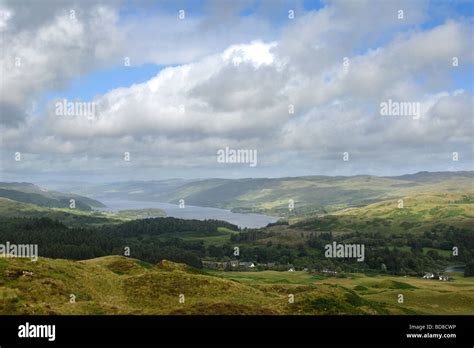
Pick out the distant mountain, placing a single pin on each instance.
(310, 194)
(134, 190)
(33, 194)
(435, 176)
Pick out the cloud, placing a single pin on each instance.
(236, 91)
(46, 55)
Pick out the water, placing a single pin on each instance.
(193, 212)
(455, 269)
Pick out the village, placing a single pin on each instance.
(439, 276)
(236, 265)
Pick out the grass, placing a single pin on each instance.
(119, 285)
(270, 277)
(421, 296)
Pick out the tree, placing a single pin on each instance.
(469, 269)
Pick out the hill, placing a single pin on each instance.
(425, 177)
(30, 193)
(119, 285)
(310, 194)
(74, 217)
(415, 213)
(313, 194)
(415, 237)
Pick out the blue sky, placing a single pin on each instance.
(101, 81)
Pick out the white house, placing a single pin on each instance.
(428, 276)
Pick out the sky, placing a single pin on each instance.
(157, 89)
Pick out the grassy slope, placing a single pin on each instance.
(118, 285)
(115, 284)
(420, 212)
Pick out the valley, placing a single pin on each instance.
(140, 260)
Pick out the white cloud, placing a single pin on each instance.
(48, 57)
(239, 96)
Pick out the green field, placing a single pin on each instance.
(142, 213)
